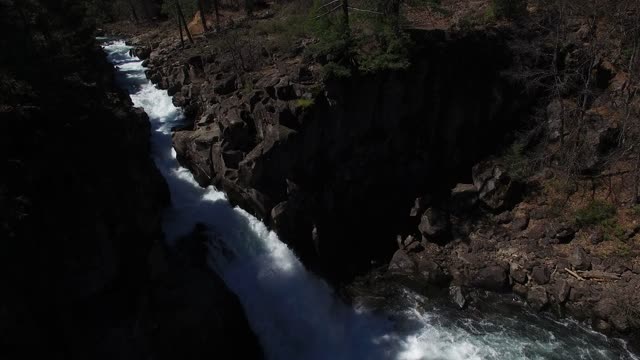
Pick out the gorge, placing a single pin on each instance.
(297, 315)
(316, 179)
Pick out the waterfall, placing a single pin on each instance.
(296, 314)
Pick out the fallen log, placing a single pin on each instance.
(574, 274)
(597, 274)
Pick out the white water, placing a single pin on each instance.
(296, 315)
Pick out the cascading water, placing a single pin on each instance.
(295, 314)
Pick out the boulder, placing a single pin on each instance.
(304, 74)
(520, 223)
(605, 308)
(431, 272)
(601, 325)
(520, 290)
(540, 275)
(268, 82)
(415, 247)
(284, 90)
(434, 223)
(537, 297)
(463, 198)
(457, 296)
(237, 133)
(401, 262)
(179, 77)
(491, 278)
(142, 52)
(225, 85)
(564, 233)
(503, 218)
(536, 232)
(497, 190)
(518, 274)
(609, 309)
(419, 205)
(579, 259)
(562, 289)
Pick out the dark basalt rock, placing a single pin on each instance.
(84, 271)
(497, 190)
(491, 278)
(457, 296)
(463, 198)
(537, 297)
(579, 259)
(520, 223)
(142, 52)
(403, 263)
(347, 152)
(434, 223)
(540, 275)
(565, 233)
(562, 289)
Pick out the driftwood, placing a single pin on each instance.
(575, 275)
(596, 274)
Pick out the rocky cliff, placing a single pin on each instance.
(334, 169)
(83, 268)
(387, 166)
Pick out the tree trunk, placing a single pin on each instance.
(215, 9)
(180, 29)
(202, 17)
(636, 185)
(184, 23)
(396, 15)
(345, 12)
(133, 11)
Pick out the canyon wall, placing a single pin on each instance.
(84, 269)
(336, 170)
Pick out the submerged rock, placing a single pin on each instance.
(457, 296)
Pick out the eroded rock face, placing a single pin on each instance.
(354, 161)
(342, 173)
(191, 313)
(83, 268)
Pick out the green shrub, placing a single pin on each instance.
(372, 44)
(508, 9)
(612, 230)
(390, 53)
(623, 250)
(595, 213)
(304, 103)
(335, 71)
(516, 162)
